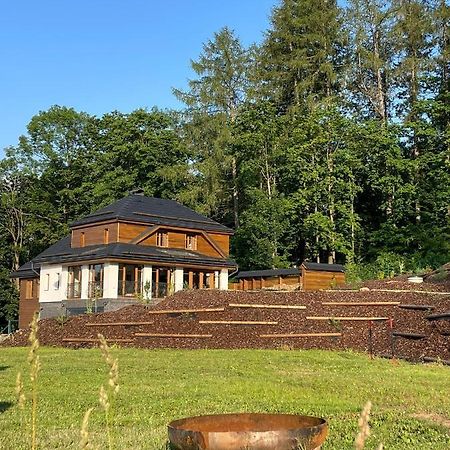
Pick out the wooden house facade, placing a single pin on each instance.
(137, 248)
(308, 277)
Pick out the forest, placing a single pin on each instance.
(328, 141)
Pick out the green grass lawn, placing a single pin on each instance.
(157, 386)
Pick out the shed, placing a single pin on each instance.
(308, 277)
(316, 276)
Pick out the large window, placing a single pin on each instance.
(96, 281)
(130, 280)
(74, 283)
(162, 278)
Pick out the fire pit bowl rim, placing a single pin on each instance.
(177, 423)
(262, 431)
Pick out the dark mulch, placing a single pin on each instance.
(355, 335)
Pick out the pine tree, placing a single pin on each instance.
(370, 56)
(213, 100)
(300, 58)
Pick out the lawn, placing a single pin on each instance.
(159, 385)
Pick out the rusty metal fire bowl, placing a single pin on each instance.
(248, 431)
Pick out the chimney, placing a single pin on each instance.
(137, 191)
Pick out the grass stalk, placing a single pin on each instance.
(84, 432)
(107, 395)
(35, 365)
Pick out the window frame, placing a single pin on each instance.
(162, 239)
(190, 241)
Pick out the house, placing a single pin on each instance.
(138, 247)
(308, 277)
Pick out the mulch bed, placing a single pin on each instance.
(355, 335)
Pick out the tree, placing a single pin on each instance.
(213, 101)
(300, 57)
(370, 56)
(137, 150)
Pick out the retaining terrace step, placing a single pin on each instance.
(405, 335)
(340, 318)
(251, 305)
(360, 303)
(430, 359)
(185, 311)
(181, 336)
(300, 335)
(417, 307)
(117, 324)
(75, 339)
(439, 316)
(236, 322)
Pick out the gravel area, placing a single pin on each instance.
(355, 334)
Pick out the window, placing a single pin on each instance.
(47, 282)
(58, 280)
(130, 280)
(162, 239)
(29, 289)
(95, 280)
(74, 284)
(191, 242)
(82, 239)
(106, 236)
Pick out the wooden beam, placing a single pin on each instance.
(415, 291)
(213, 244)
(346, 318)
(94, 340)
(201, 277)
(117, 324)
(300, 335)
(250, 305)
(183, 311)
(191, 279)
(236, 322)
(145, 234)
(410, 290)
(360, 303)
(162, 335)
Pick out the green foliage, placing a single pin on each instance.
(9, 298)
(328, 142)
(327, 384)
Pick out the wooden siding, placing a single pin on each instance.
(28, 306)
(222, 241)
(205, 248)
(151, 240)
(177, 239)
(94, 234)
(289, 282)
(316, 280)
(129, 231)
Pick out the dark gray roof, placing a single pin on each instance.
(268, 273)
(289, 272)
(158, 211)
(61, 252)
(320, 267)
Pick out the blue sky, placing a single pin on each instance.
(104, 55)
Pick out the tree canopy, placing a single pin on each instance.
(329, 141)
